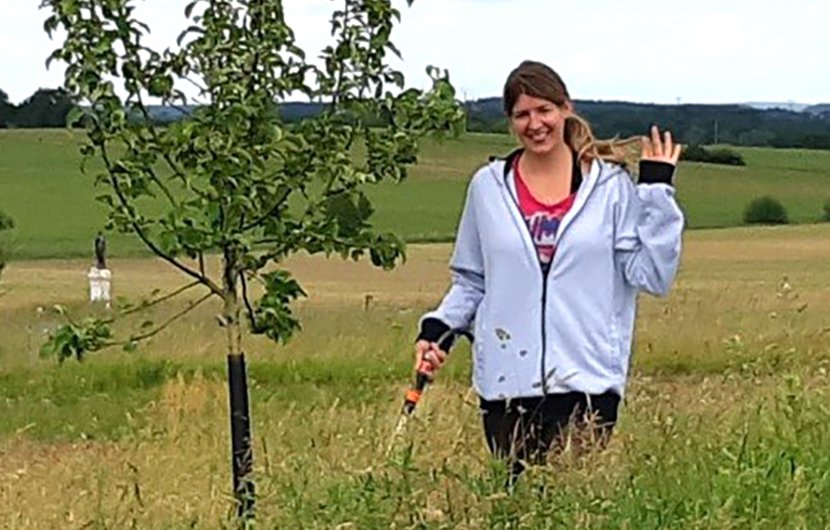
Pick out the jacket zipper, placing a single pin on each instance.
(545, 273)
(544, 289)
(544, 333)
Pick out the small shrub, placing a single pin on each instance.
(765, 210)
(727, 157)
(826, 216)
(694, 153)
(721, 155)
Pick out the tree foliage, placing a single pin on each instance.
(47, 107)
(234, 178)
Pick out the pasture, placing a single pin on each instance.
(43, 189)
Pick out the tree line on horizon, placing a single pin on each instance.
(692, 124)
(46, 108)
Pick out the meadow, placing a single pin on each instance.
(44, 190)
(726, 422)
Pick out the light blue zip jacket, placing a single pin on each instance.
(570, 331)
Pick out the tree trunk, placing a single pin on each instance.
(242, 451)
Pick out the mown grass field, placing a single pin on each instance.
(726, 423)
(43, 189)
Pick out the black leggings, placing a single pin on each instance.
(526, 429)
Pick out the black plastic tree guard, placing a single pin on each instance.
(243, 456)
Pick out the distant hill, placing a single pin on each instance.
(167, 114)
(735, 124)
(822, 109)
(691, 124)
(767, 105)
(771, 124)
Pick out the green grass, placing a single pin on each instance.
(42, 187)
(726, 423)
(75, 402)
(765, 470)
(688, 453)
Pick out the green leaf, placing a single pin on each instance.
(74, 116)
(188, 10)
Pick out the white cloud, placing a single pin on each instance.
(640, 50)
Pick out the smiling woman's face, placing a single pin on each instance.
(539, 124)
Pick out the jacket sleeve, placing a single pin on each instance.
(649, 224)
(458, 307)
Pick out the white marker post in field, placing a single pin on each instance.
(100, 277)
(100, 281)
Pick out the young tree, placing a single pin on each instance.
(234, 179)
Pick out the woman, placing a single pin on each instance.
(553, 245)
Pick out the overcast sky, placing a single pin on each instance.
(701, 51)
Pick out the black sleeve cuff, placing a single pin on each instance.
(432, 329)
(652, 172)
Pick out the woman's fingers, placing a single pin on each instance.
(648, 149)
(675, 156)
(421, 352)
(431, 353)
(660, 147)
(436, 356)
(657, 145)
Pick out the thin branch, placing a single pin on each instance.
(172, 200)
(268, 240)
(253, 21)
(202, 90)
(138, 230)
(365, 77)
(169, 321)
(256, 26)
(164, 298)
(336, 96)
(164, 154)
(256, 222)
(133, 49)
(247, 302)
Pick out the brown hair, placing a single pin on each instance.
(539, 80)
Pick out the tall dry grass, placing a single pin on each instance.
(725, 424)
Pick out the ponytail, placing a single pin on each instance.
(580, 138)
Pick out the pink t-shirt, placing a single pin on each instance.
(542, 219)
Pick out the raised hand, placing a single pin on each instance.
(656, 149)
